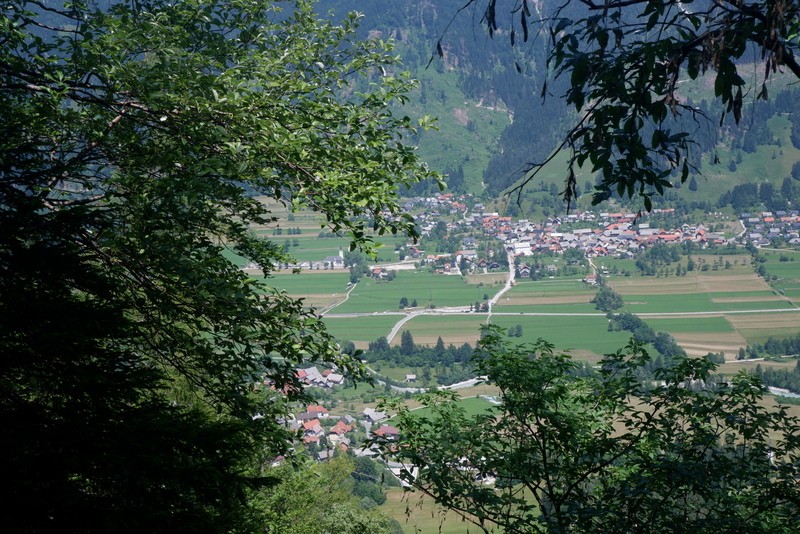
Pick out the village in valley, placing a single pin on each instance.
(483, 242)
(595, 233)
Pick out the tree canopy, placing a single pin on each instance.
(568, 450)
(624, 62)
(143, 374)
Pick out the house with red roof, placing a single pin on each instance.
(388, 432)
(318, 410)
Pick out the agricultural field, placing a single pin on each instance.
(471, 406)
(318, 289)
(486, 279)
(701, 335)
(609, 265)
(569, 295)
(757, 327)
(703, 302)
(586, 338)
(715, 304)
(426, 288)
(784, 267)
(455, 329)
(361, 330)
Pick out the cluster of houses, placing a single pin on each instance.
(764, 228)
(599, 234)
(596, 234)
(620, 235)
(616, 236)
(313, 377)
(328, 434)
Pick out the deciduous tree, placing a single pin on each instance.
(570, 451)
(142, 373)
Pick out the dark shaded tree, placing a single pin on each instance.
(607, 300)
(134, 353)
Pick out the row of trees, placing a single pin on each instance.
(788, 346)
(289, 231)
(750, 195)
(662, 342)
(451, 359)
(607, 299)
(781, 378)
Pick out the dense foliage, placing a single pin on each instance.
(607, 300)
(450, 362)
(605, 452)
(663, 343)
(318, 500)
(143, 374)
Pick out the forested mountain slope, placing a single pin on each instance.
(498, 110)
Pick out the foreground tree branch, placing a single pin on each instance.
(625, 59)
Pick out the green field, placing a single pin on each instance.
(567, 295)
(234, 258)
(786, 273)
(621, 265)
(471, 405)
(581, 308)
(361, 330)
(549, 287)
(586, 337)
(424, 287)
(756, 328)
(698, 302)
(691, 324)
(311, 283)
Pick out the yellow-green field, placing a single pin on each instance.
(586, 338)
